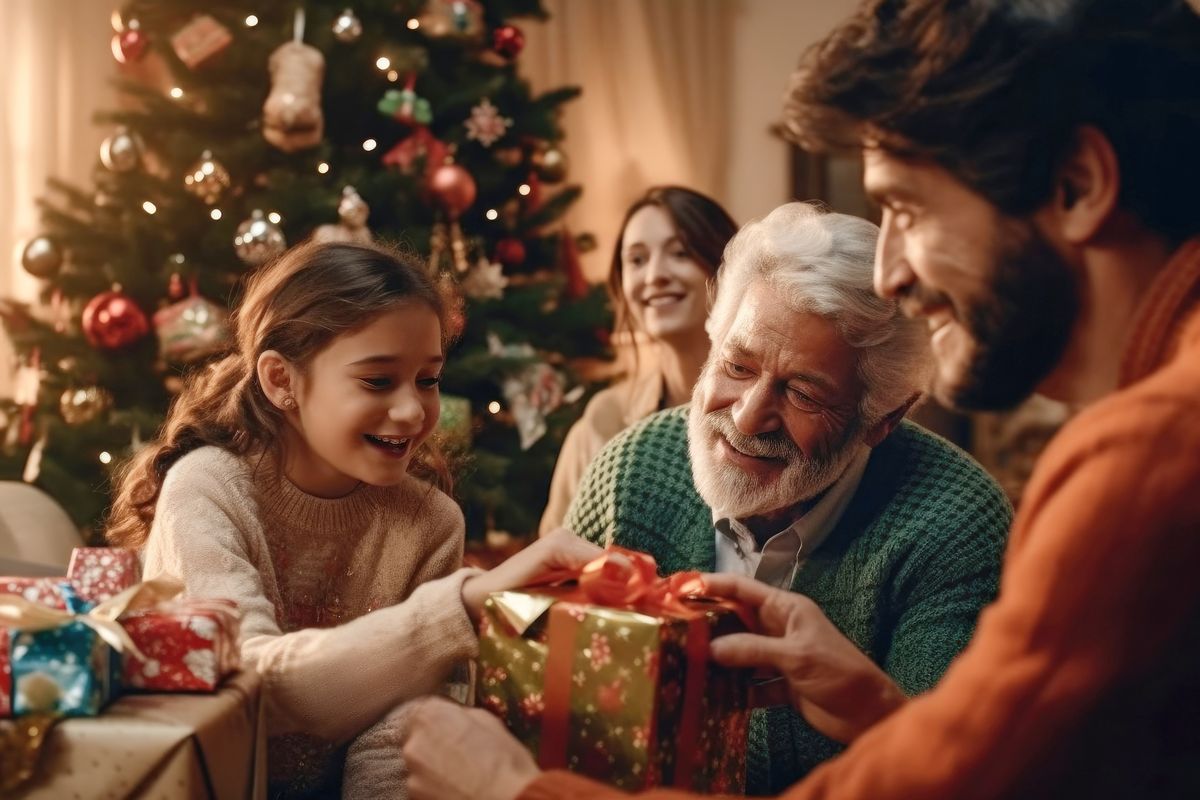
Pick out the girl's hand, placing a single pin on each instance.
(558, 550)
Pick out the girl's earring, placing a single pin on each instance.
(288, 403)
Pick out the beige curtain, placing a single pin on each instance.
(655, 102)
(55, 63)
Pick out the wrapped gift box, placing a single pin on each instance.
(68, 670)
(189, 645)
(626, 695)
(36, 590)
(99, 573)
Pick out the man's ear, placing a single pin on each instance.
(874, 435)
(1086, 188)
(277, 378)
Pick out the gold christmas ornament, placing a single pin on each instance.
(208, 179)
(82, 405)
(258, 239)
(353, 212)
(347, 27)
(550, 164)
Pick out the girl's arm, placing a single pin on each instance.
(332, 682)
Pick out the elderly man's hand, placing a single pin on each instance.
(458, 753)
(833, 684)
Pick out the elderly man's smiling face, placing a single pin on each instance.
(775, 415)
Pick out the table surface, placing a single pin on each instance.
(210, 746)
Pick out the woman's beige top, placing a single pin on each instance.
(609, 412)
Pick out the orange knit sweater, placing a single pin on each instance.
(1083, 678)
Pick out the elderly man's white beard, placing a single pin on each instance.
(735, 492)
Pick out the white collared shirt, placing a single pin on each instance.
(782, 555)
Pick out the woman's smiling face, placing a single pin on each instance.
(665, 289)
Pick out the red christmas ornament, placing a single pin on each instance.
(130, 44)
(508, 41)
(510, 252)
(111, 320)
(452, 188)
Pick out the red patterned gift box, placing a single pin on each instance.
(189, 645)
(612, 679)
(99, 573)
(35, 590)
(5, 675)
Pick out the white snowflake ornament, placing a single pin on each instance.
(485, 125)
(485, 282)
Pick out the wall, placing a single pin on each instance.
(769, 37)
(56, 66)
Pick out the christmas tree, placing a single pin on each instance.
(250, 126)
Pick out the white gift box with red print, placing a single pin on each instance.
(189, 645)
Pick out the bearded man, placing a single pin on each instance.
(794, 465)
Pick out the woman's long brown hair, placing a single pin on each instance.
(296, 306)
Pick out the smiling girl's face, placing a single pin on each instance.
(366, 403)
(665, 289)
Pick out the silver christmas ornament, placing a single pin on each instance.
(258, 239)
(347, 27)
(42, 257)
(121, 152)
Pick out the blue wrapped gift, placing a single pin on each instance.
(68, 669)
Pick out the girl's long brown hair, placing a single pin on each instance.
(296, 306)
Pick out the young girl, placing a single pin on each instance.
(286, 478)
(670, 246)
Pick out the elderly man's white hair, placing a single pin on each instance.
(822, 263)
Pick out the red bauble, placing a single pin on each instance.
(129, 45)
(452, 188)
(508, 41)
(111, 320)
(510, 252)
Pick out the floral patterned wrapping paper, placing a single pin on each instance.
(627, 719)
(189, 645)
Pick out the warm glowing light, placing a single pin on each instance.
(393, 76)
(149, 207)
(251, 21)
(524, 189)
(492, 213)
(494, 406)
(274, 217)
(369, 145)
(105, 457)
(215, 213)
(414, 23)
(207, 168)
(322, 168)
(383, 62)
(176, 92)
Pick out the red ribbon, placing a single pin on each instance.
(630, 581)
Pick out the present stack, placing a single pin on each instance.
(69, 645)
(611, 677)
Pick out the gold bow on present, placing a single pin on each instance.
(17, 612)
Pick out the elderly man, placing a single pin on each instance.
(794, 465)
(1037, 164)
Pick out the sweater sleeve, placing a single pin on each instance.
(332, 682)
(577, 451)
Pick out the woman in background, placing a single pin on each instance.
(670, 246)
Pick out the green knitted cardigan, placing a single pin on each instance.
(904, 574)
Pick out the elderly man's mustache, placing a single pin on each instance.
(774, 444)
